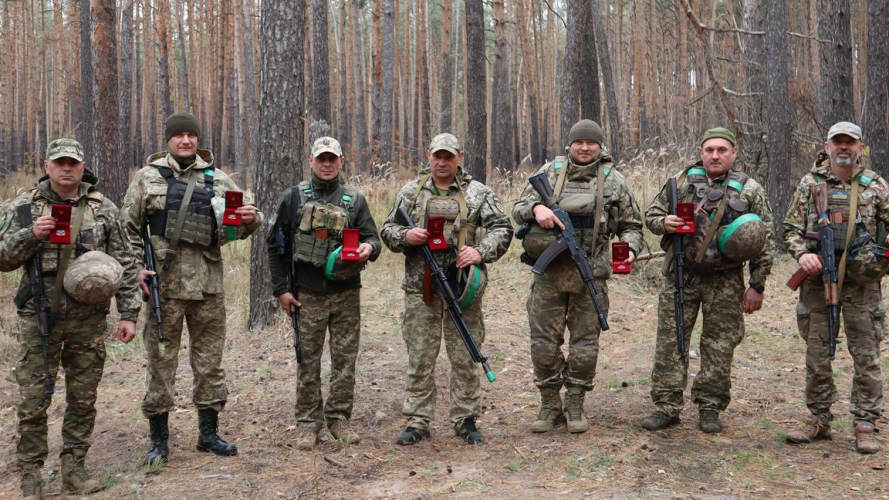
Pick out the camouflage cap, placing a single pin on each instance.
(326, 145)
(447, 142)
(93, 278)
(844, 128)
(61, 148)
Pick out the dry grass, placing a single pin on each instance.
(615, 459)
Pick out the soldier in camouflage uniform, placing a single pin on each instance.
(716, 287)
(77, 321)
(859, 294)
(186, 235)
(559, 298)
(329, 298)
(477, 232)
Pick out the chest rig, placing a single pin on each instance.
(716, 206)
(458, 230)
(198, 224)
(319, 230)
(584, 202)
(840, 206)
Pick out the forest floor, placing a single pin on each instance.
(615, 459)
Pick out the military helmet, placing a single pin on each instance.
(338, 269)
(743, 239)
(536, 240)
(468, 284)
(868, 265)
(93, 278)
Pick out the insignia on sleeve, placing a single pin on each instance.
(4, 222)
(496, 202)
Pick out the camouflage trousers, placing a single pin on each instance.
(339, 313)
(79, 345)
(423, 326)
(720, 298)
(864, 322)
(206, 332)
(560, 299)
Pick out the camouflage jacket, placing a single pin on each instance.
(753, 195)
(309, 276)
(493, 236)
(873, 205)
(100, 230)
(195, 271)
(623, 217)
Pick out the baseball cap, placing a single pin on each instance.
(60, 148)
(446, 142)
(326, 145)
(844, 128)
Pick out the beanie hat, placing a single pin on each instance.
(181, 122)
(719, 133)
(588, 130)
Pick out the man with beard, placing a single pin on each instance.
(858, 205)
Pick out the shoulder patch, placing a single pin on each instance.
(496, 202)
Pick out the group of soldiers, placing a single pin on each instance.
(324, 230)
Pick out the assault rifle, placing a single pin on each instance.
(567, 240)
(444, 288)
(828, 257)
(284, 244)
(154, 294)
(45, 320)
(678, 273)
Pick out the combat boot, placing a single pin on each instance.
(813, 428)
(550, 410)
(74, 474)
(709, 421)
(159, 434)
(342, 431)
(865, 440)
(32, 483)
(307, 439)
(577, 422)
(208, 423)
(469, 432)
(659, 420)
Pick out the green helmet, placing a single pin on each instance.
(868, 265)
(536, 240)
(743, 239)
(468, 284)
(338, 269)
(93, 278)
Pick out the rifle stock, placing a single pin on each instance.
(567, 240)
(678, 273)
(454, 311)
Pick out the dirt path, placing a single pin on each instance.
(615, 459)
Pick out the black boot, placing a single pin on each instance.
(208, 420)
(160, 433)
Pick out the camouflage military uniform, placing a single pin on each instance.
(77, 339)
(326, 304)
(559, 298)
(718, 295)
(423, 324)
(191, 289)
(861, 304)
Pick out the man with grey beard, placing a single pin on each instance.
(858, 206)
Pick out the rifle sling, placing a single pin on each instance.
(65, 259)
(850, 228)
(714, 226)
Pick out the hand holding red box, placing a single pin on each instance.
(686, 210)
(61, 234)
(620, 252)
(233, 201)
(350, 245)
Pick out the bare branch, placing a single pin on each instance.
(551, 9)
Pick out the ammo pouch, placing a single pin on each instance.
(705, 213)
(199, 227)
(535, 239)
(320, 232)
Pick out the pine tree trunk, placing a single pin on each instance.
(875, 126)
(125, 79)
(834, 25)
(388, 84)
(501, 127)
(163, 75)
(360, 86)
(282, 140)
(476, 144)
(590, 104)
(780, 128)
(754, 54)
(183, 61)
(614, 130)
(447, 67)
(320, 64)
(86, 128)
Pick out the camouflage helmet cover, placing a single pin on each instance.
(743, 239)
(868, 265)
(93, 278)
(338, 269)
(468, 284)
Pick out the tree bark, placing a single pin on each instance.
(875, 125)
(163, 75)
(573, 69)
(590, 104)
(360, 86)
(281, 136)
(476, 144)
(501, 128)
(183, 60)
(780, 127)
(447, 67)
(612, 105)
(834, 25)
(320, 63)
(86, 128)
(125, 79)
(755, 54)
(387, 96)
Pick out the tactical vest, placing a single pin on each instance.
(707, 199)
(319, 230)
(200, 227)
(578, 200)
(458, 230)
(839, 200)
